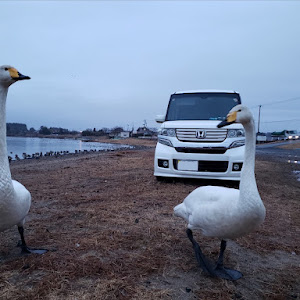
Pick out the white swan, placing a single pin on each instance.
(226, 213)
(15, 199)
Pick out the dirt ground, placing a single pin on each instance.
(294, 145)
(111, 234)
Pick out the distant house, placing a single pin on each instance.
(261, 137)
(124, 134)
(278, 135)
(120, 135)
(144, 131)
(58, 130)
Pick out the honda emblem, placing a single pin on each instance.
(200, 134)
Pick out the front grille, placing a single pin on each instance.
(208, 166)
(206, 150)
(211, 135)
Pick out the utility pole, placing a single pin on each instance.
(145, 123)
(258, 123)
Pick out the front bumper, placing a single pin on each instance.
(211, 166)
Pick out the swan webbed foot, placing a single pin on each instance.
(25, 249)
(228, 274)
(219, 271)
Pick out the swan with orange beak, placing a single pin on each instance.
(15, 199)
(226, 213)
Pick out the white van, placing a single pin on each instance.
(189, 143)
(291, 135)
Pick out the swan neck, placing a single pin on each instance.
(3, 95)
(3, 148)
(5, 175)
(248, 175)
(250, 200)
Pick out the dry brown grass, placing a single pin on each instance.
(291, 145)
(111, 232)
(148, 142)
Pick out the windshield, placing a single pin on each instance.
(201, 106)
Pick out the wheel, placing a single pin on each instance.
(165, 179)
(159, 178)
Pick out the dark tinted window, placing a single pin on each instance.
(201, 106)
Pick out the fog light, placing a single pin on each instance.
(163, 163)
(237, 166)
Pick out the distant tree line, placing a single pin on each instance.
(18, 129)
(56, 131)
(102, 132)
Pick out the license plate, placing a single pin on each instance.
(187, 165)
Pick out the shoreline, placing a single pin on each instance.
(82, 154)
(128, 143)
(120, 144)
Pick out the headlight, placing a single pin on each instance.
(236, 144)
(165, 142)
(235, 133)
(168, 132)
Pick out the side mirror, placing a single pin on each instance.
(160, 118)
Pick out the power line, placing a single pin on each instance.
(281, 121)
(271, 103)
(280, 101)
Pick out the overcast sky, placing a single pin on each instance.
(108, 63)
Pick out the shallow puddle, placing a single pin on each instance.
(297, 173)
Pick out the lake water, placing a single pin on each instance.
(20, 145)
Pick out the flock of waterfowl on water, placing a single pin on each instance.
(223, 213)
(56, 154)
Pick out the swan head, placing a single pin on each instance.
(10, 75)
(238, 114)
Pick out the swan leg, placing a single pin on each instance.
(206, 265)
(24, 247)
(221, 271)
(221, 255)
(203, 262)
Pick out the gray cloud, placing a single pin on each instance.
(101, 64)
